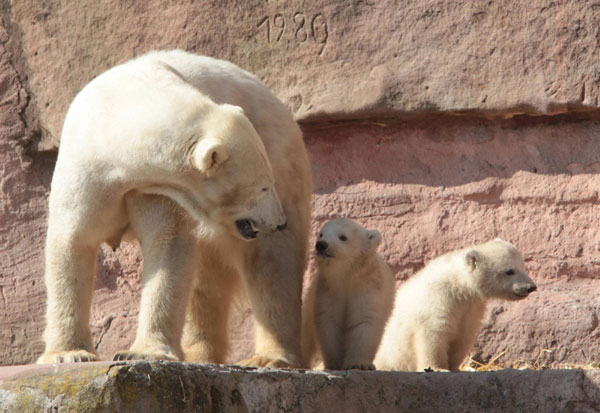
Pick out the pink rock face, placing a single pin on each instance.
(376, 88)
(24, 183)
(332, 59)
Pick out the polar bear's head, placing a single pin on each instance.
(344, 241)
(238, 186)
(498, 270)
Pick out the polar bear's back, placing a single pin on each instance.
(224, 82)
(167, 80)
(162, 90)
(128, 107)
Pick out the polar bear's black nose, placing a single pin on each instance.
(321, 246)
(532, 288)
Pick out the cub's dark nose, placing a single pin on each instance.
(321, 246)
(282, 227)
(531, 288)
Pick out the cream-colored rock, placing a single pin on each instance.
(437, 313)
(349, 300)
(191, 156)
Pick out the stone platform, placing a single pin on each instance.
(173, 387)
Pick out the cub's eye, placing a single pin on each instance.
(510, 272)
(265, 189)
(320, 235)
(343, 238)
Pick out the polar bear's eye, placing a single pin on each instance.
(343, 238)
(265, 189)
(510, 272)
(320, 235)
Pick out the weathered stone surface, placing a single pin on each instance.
(174, 387)
(334, 59)
(23, 189)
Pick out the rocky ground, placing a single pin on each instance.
(168, 387)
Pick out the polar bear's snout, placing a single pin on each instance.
(523, 286)
(523, 289)
(323, 249)
(321, 246)
(266, 215)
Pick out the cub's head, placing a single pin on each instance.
(343, 240)
(498, 270)
(238, 187)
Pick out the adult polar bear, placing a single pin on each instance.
(155, 149)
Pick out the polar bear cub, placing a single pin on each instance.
(438, 312)
(350, 299)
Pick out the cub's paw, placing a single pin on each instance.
(431, 370)
(73, 356)
(359, 367)
(263, 361)
(137, 355)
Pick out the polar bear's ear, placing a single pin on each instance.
(473, 258)
(234, 107)
(374, 238)
(209, 154)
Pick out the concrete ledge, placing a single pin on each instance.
(170, 387)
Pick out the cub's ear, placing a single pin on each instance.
(473, 258)
(208, 155)
(374, 238)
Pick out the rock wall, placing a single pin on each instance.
(441, 124)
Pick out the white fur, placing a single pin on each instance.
(437, 313)
(173, 149)
(350, 299)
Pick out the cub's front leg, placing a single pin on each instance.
(328, 326)
(431, 350)
(362, 341)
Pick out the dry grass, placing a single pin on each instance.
(497, 364)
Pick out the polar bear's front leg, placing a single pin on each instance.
(69, 277)
(205, 331)
(330, 339)
(274, 286)
(361, 344)
(431, 349)
(169, 263)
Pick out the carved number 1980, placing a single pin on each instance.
(304, 28)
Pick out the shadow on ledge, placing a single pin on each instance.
(173, 387)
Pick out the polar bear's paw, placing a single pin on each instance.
(73, 356)
(138, 355)
(360, 366)
(258, 360)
